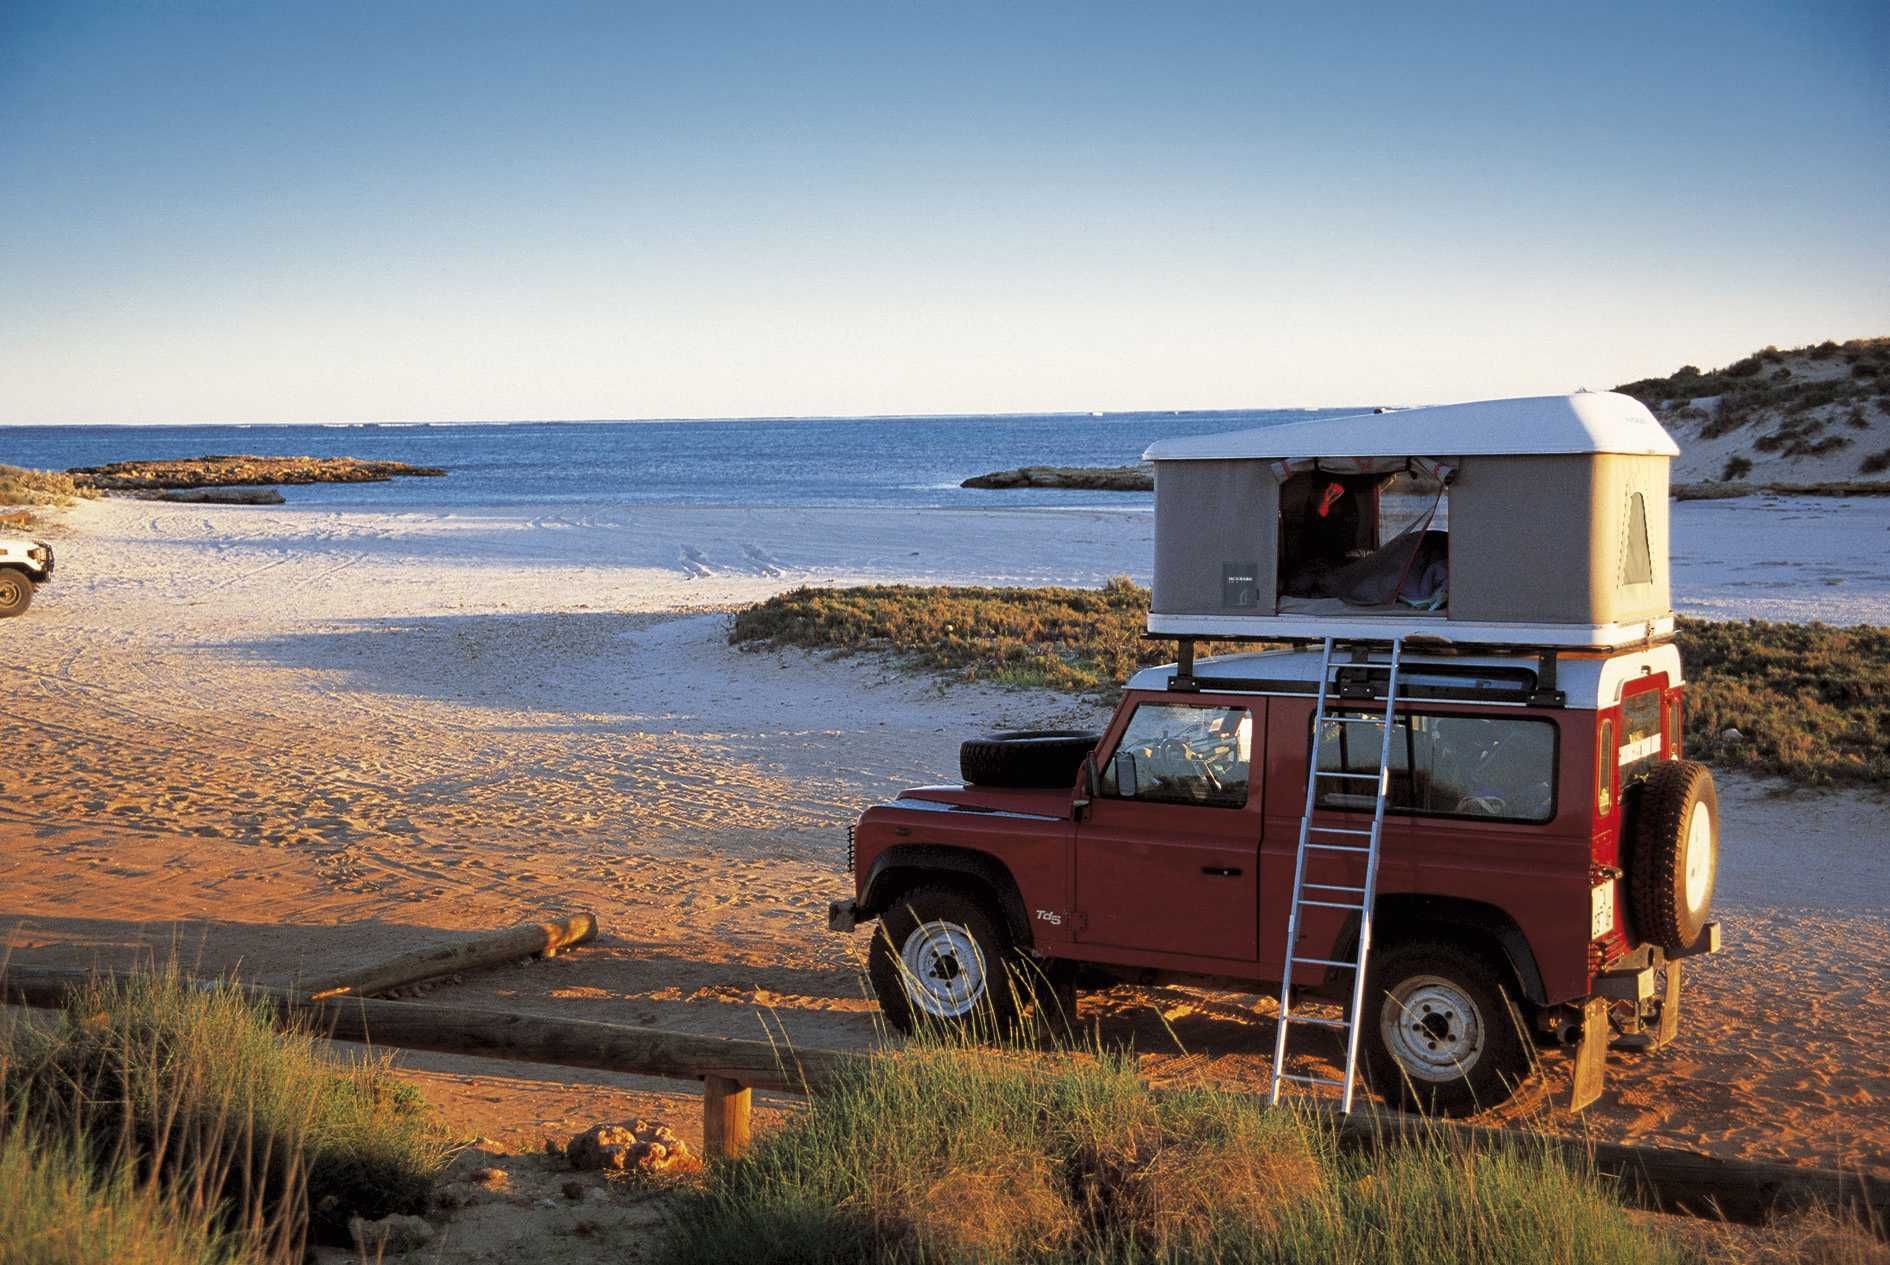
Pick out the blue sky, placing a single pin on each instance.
(334, 211)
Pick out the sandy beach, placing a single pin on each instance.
(285, 740)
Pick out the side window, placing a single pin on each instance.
(1637, 560)
(1174, 753)
(1452, 766)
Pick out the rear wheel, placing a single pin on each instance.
(16, 591)
(940, 959)
(1438, 1034)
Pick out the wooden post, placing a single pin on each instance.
(1591, 1057)
(725, 1107)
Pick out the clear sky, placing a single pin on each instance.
(381, 211)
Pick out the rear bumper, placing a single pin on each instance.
(1632, 978)
(843, 915)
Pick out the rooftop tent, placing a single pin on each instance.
(1540, 520)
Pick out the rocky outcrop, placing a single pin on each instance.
(241, 471)
(217, 496)
(1086, 478)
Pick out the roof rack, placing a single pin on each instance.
(1366, 678)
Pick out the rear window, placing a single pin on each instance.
(1447, 766)
(1640, 731)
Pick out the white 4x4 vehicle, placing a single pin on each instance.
(23, 564)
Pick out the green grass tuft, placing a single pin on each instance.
(196, 1084)
(945, 1153)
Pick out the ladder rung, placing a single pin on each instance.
(1327, 904)
(1311, 1080)
(1350, 966)
(1356, 720)
(1356, 777)
(1338, 830)
(1316, 1019)
(1335, 847)
(1334, 887)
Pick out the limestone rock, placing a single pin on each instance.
(637, 1147)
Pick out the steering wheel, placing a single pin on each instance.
(1178, 749)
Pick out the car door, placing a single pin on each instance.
(1168, 856)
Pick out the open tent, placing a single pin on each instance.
(1539, 520)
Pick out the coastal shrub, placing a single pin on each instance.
(944, 1152)
(1812, 701)
(1876, 463)
(196, 1084)
(1736, 468)
(19, 486)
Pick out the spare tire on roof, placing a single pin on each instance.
(1674, 854)
(1026, 757)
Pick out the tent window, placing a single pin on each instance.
(1637, 560)
(1362, 541)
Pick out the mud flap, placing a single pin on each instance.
(1669, 1007)
(1591, 1056)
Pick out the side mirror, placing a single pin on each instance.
(1126, 783)
(1085, 787)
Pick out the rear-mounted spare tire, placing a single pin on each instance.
(1675, 854)
(1026, 757)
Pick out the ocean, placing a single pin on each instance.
(817, 462)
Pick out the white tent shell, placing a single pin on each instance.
(1557, 523)
(1544, 425)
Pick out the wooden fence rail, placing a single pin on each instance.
(1662, 1178)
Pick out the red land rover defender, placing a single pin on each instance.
(1544, 846)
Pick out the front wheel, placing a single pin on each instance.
(16, 591)
(941, 960)
(1439, 1034)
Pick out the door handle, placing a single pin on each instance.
(1221, 871)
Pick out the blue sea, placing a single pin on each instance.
(889, 461)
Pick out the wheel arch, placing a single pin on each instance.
(904, 866)
(1475, 924)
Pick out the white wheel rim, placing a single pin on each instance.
(1699, 857)
(944, 970)
(1432, 1028)
(10, 592)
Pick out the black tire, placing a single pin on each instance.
(1026, 757)
(1674, 854)
(16, 592)
(896, 967)
(1456, 1047)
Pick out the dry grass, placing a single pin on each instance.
(1811, 701)
(946, 1153)
(39, 487)
(194, 1085)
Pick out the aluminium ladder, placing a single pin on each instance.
(1360, 897)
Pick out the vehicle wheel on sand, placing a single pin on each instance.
(1026, 757)
(16, 591)
(940, 960)
(1439, 1035)
(1674, 854)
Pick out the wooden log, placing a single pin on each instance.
(725, 1108)
(1662, 1178)
(493, 949)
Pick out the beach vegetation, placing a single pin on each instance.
(1810, 701)
(950, 1152)
(1743, 393)
(1737, 467)
(1876, 463)
(258, 1132)
(19, 486)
